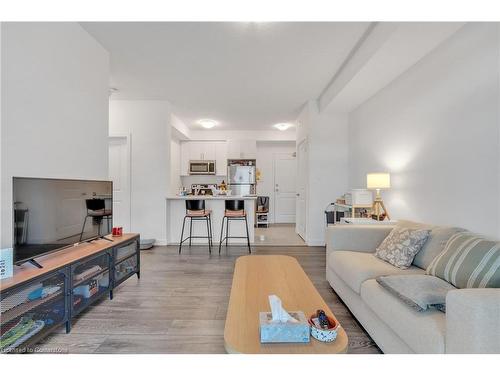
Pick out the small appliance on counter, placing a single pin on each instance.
(203, 189)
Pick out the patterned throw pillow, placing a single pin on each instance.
(401, 245)
(468, 261)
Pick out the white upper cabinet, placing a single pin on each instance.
(204, 150)
(201, 150)
(185, 157)
(221, 158)
(241, 149)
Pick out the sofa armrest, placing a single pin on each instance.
(473, 321)
(362, 238)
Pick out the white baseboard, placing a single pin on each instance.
(316, 243)
(161, 242)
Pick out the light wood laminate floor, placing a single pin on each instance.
(180, 305)
(278, 235)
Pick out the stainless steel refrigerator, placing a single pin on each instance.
(241, 179)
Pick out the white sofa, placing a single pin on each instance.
(472, 320)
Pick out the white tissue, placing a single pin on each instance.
(278, 312)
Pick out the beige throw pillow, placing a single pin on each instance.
(401, 245)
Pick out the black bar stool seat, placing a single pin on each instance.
(195, 210)
(234, 210)
(96, 209)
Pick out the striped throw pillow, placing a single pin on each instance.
(468, 261)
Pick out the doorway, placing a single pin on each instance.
(120, 174)
(276, 162)
(284, 188)
(301, 196)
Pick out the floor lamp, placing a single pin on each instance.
(378, 181)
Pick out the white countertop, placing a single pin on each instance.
(210, 197)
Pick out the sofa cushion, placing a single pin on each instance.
(423, 332)
(420, 292)
(468, 261)
(356, 267)
(401, 245)
(438, 237)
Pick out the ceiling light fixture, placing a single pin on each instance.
(207, 123)
(283, 126)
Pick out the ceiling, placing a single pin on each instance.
(246, 75)
(402, 46)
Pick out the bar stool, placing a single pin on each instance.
(96, 209)
(234, 210)
(195, 210)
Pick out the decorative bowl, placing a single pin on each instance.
(324, 335)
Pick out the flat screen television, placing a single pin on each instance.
(51, 214)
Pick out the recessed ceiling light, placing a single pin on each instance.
(207, 123)
(283, 126)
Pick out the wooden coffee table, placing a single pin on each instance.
(255, 278)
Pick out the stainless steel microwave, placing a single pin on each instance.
(202, 167)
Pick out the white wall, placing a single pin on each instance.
(436, 130)
(257, 135)
(54, 106)
(148, 123)
(1, 126)
(328, 161)
(179, 128)
(265, 163)
(326, 135)
(175, 166)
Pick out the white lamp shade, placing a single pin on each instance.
(378, 180)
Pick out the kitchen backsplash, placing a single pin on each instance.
(201, 179)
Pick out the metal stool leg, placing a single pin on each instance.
(208, 235)
(227, 230)
(221, 233)
(182, 233)
(83, 228)
(190, 230)
(210, 226)
(248, 235)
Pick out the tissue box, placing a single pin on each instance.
(284, 332)
(6, 263)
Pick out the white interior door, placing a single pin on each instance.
(119, 173)
(72, 210)
(301, 196)
(284, 188)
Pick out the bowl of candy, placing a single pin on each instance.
(323, 328)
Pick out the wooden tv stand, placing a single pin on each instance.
(71, 280)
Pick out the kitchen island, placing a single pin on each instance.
(176, 210)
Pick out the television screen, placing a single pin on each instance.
(50, 214)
